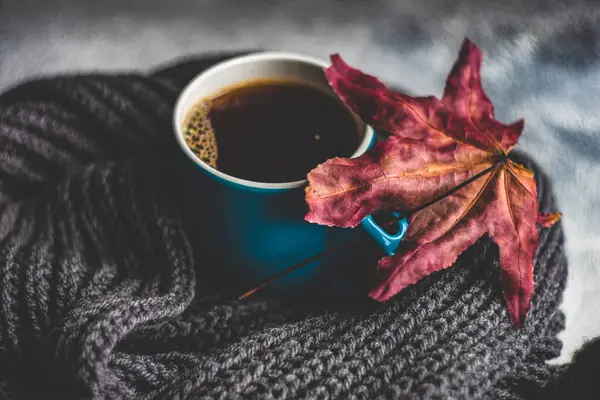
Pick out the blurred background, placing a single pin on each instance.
(541, 63)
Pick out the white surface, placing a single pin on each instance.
(541, 62)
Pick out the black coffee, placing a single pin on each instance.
(271, 131)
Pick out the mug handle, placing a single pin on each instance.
(388, 242)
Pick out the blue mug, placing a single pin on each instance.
(253, 230)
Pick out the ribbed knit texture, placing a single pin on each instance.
(103, 292)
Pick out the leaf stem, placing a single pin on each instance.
(301, 264)
(461, 185)
(386, 223)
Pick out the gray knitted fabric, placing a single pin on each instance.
(105, 294)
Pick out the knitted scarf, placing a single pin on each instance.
(104, 292)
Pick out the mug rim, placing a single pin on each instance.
(252, 57)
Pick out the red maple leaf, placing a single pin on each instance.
(435, 146)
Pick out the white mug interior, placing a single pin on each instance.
(257, 66)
